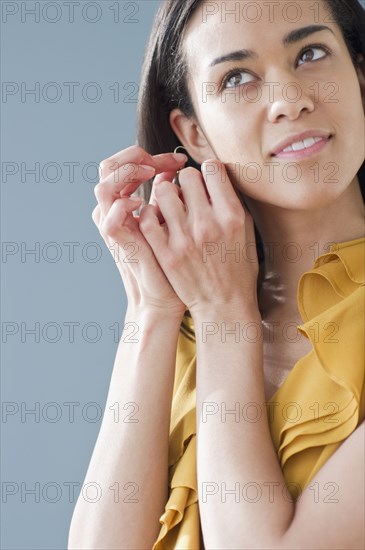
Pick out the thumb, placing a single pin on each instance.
(169, 176)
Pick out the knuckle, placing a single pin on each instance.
(137, 149)
(112, 229)
(233, 221)
(104, 166)
(206, 232)
(189, 172)
(108, 168)
(103, 163)
(99, 191)
(108, 227)
(136, 152)
(186, 247)
(237, 209)
(95, 214)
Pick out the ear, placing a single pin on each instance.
(191, 136)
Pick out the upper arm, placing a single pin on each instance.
(330, 513)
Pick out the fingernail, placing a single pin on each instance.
(148, 168)
(136, 199)
(210, 163)
(180, 157)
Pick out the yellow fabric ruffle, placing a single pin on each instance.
(320, 403)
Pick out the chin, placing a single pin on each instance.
(301, 196)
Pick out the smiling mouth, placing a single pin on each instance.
(306, 144)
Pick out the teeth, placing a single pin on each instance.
(300, 145)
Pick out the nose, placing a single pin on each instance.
(289, 101)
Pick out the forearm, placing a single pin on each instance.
(132, 446)
(240, 482)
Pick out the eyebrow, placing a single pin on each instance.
(290, 38)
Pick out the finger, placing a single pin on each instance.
(220, 188)
(154, 233)
(169, 176)
(161, 219)
(96, 215)
(138, 155)
(119, 219)
(134, 154)
(169, 161)
(172, 208)
(194, 192)
(97, 219)
(131, 185)
(127, 178)
(124, 181)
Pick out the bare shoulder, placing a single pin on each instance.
(330, 513)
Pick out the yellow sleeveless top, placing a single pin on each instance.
(320, 403)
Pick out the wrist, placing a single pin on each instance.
(227, 323)
(153, 314)
(145, 325)
(235, 312)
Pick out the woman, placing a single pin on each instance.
(268, 101)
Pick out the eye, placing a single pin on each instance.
(312, 53)
(237, 77)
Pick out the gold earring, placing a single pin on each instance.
(176, 178)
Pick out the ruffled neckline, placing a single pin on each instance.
(347, 257)
(351, 257)
(348, 252)
(324, 390)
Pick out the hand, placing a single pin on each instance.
(145, 283)
(206, 242)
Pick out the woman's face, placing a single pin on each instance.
(277, 98)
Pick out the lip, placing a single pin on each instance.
(278, 151)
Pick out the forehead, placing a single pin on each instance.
(218, 27)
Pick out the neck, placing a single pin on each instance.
(294, 239)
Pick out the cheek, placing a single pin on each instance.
(233, 132)
(347, 97)
(235, 136)
(348, 112)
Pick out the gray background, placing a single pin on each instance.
(46, 213)
(51, 289)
